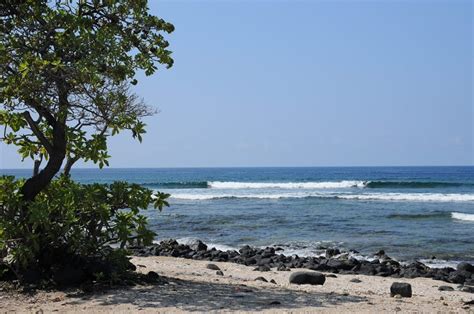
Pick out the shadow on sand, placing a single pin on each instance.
(204, 296)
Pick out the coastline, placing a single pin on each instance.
(191, 286)
(334, 260)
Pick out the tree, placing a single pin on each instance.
(66, 70)
(65, 73)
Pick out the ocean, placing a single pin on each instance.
(413, 213)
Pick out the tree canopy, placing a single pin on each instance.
(66, 70)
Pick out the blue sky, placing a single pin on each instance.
(308, 83)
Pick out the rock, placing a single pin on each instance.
(261, 279)
(469, 289)
(465, 267)
(151, 277)
(262, 268)
(458, 276)
(380, 253)
(264, 262)
(247, 251)
(212, 267)
(332, 252)
(282, 267)
(198, 246)
(355, 280)
(219, 273)
(469, 282)
(331, 276)
(304, 278)
(401, 288)
(273, 281)
(445, 288)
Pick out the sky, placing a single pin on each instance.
(307, 83)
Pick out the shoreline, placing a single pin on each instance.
(334, 261)
(189, 285)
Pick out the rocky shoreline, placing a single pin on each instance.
(334, 261)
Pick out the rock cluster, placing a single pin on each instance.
(334, 261)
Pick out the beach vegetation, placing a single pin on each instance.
(67, 71)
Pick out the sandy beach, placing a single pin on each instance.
(193, 287)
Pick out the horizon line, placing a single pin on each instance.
(240, 167)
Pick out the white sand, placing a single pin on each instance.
(193, 287)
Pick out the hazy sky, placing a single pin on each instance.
(308, 83)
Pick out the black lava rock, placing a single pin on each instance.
(401, 288)
(151, 277)
(282, 267)
(212, 267)
(262, 268)
(465, 267)
(332, 252)
(307, 278)
(445, 288)
(459, 276)
(198, 246)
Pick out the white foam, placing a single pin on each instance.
(439, 263)
(413, 197)
(191, 196)
(462, 216)
(285, 185)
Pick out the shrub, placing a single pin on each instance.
(73, 225)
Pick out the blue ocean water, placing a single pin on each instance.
(410, 212)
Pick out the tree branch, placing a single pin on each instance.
(34, 127)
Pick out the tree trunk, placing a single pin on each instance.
(70, 161)
(34, 185)
(37, 167)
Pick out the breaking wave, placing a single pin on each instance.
(462, 216)
(414, 197)
(285, 185)
(306, 185)
(412, 184)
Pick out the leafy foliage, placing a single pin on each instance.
(66, 71)
(66, 68)
(80, 220)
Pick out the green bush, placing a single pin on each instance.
(73, 224)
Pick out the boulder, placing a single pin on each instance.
(401, 288)
(198, 245)
(307, 278)
(465, 267)
(282, 267)
(261, 279)
(262, 268)
(151, 277)
(459, 276)
(445, 288)
(212, 267)
(219, 273)
(469, 289)
(332, 252)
